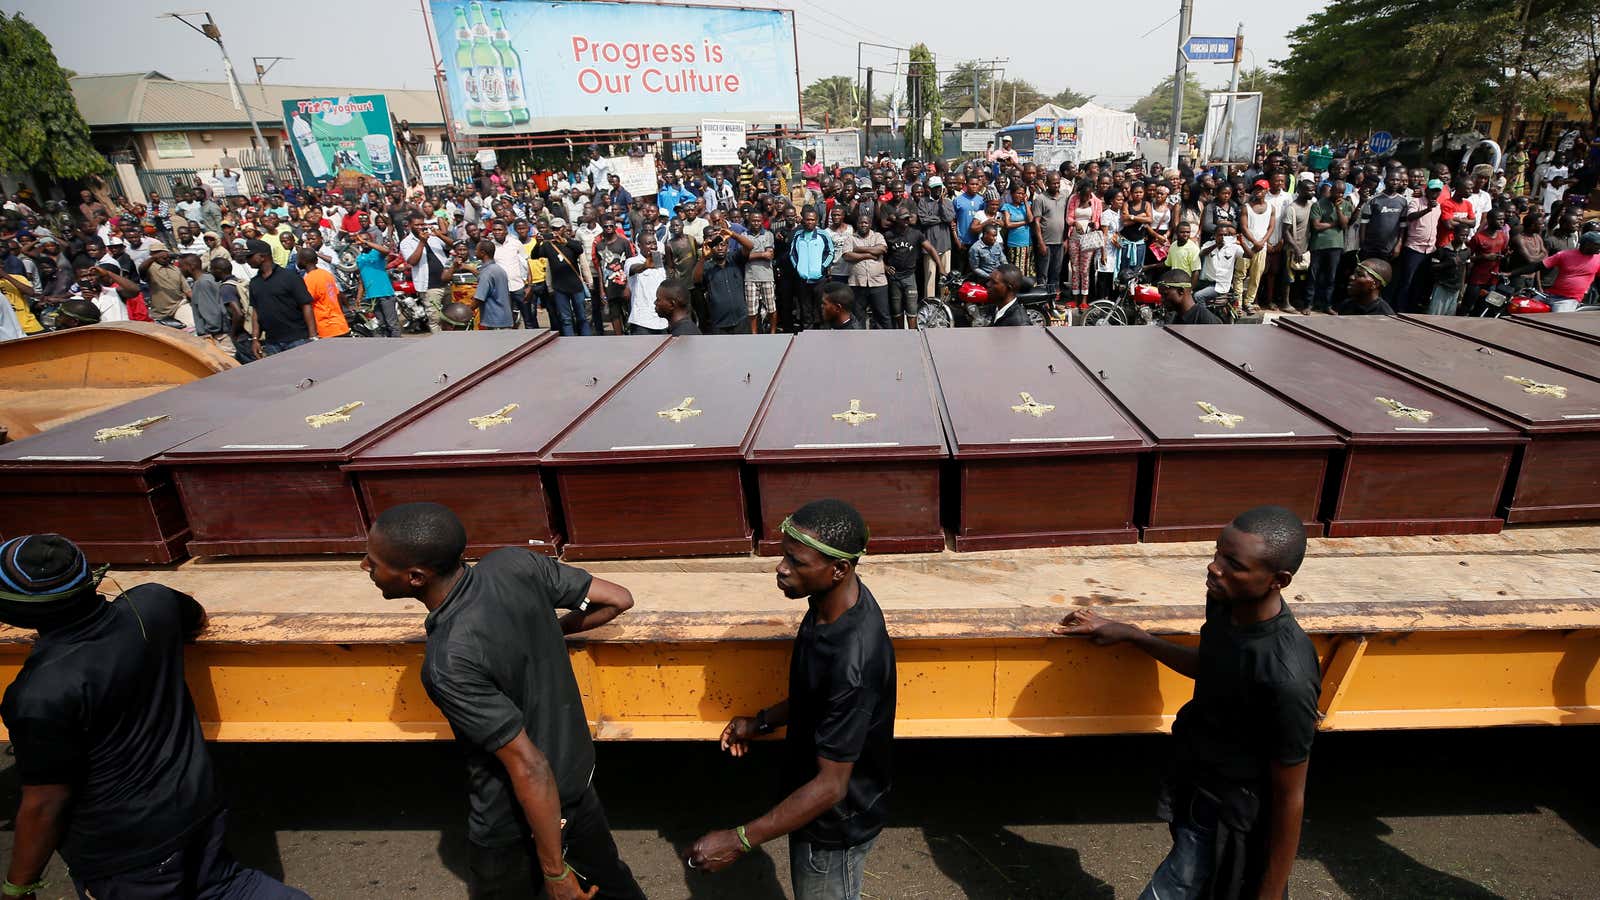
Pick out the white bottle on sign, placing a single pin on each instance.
(310, 151)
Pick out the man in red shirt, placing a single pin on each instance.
(1454, 206)
(1575, 270)
(1488, 251)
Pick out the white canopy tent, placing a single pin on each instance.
(1103, 130)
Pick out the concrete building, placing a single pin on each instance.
(157, 123)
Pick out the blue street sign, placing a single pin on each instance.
(1382, 142)
(1209, 49)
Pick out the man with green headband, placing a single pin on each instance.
(114, 770)
(1366, 290)
(839, 712)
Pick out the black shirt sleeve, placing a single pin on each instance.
(1292, 720)
(845, 715)
(297, 290)
(565, 586)
(49, 750)
(477, 710)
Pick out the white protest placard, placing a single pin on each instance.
(637, 173)
(434, 170)
(720, 142)
(487, 159)
(977, 140)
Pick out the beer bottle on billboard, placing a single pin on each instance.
(310, 150)
(491, 72)
(469, 77)
(515, 101)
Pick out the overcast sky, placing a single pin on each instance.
(1100, 48)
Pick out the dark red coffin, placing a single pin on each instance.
(1415, 461)
(270, 483)
(1222, 444)
(110, 496)
(1584, 326)
(1557, 478)
(1554, 349)
(655, 470)
(479, 453)
(1043, 458)
(854, 415)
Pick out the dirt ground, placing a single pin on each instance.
(1446, 814)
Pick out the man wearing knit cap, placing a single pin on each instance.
(114, 770)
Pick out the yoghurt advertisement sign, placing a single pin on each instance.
(532, 65)
(334, 136)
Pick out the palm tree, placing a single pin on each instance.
(832, 101)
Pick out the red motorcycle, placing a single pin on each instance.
(1504, 300)
(1135, 303)
(413, 313)
(970, 305)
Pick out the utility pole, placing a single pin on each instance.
(1179, 78)
(261, 72)
(210, 31)
(866, 129)
(1233, 89)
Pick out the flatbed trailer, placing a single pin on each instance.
(1413, 632)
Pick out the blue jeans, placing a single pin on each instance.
(573, 313)
(1184, 872)
(821, 873)
(1132, 255)
(268, 348)
(1324, 270)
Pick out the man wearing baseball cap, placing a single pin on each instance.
(169, 290)
(284, 318)
(113, 767)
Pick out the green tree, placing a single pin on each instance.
(1068, 98)
(41, 130)
(1275, 111)
(958, 85)
(922, 77)
(1155, 108)
(1016, 98)
(833, 101)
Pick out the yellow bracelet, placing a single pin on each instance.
(566, 869)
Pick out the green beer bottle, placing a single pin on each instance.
(515, 102)
(469, 77)
(490, 71)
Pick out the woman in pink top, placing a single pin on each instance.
(1083, 221)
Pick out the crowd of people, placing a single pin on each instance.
(751, 247)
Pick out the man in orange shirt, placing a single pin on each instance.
(324, 293)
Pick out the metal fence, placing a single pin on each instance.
(256, 166)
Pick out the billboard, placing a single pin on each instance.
(435, 170)
(1230, 134)
(1044, 130)
(334, 136)
(977, 140)
(535, 65)
(1067, 131)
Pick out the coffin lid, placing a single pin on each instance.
(1560, 351)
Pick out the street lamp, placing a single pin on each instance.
(211, 32)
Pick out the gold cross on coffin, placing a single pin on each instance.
(1529, 386)
(337, 414)
(132, 429)
(681, 411)
(1401, 411)
(1031, 406)
(499, 417)
(1217, 416)
(854, 416)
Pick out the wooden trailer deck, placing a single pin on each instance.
(1415, 632)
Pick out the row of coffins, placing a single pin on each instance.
(990, 438)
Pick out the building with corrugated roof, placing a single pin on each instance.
(158, 122)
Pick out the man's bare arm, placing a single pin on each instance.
(1286, 807)
(607, 600)
(1104, 632)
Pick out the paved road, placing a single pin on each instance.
(1474, 814)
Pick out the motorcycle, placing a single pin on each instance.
(1135, 303)
(413, 312)
(970, 307)
(1504, 300)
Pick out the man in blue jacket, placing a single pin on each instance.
(810, 255)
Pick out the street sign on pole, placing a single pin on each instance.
(1210, 49)
(1381, 144)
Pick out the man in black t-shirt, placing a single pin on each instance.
(284, 319)
(836, 770)
(114, 769)
(907, 245)
(838, 308)
(1244, 742)
(1367, 282)
(672, 304)
(1178, 298)
(496, 665)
